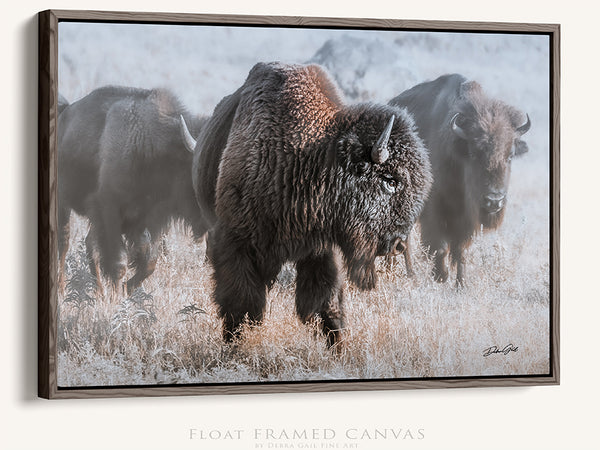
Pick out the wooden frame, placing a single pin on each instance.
(47, 190)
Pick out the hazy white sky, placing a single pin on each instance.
(204, 63)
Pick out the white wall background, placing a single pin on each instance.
(534, 418)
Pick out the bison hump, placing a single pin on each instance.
(283, 116)
(291, 104)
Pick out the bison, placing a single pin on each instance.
(284, 171)
(123, 163)
(472, 139)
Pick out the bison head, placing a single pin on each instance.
(383, 178)
(487, 136)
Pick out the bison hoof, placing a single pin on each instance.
(231, 331)
(441, 276)
(131, 286)
(117, 272)
(334, 341)
(334, 337)
(229, 336)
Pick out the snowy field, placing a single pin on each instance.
(407, 327)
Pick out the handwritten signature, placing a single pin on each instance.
(505, 351)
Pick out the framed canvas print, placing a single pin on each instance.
(246, 204)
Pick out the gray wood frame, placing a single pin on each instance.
(47, 207)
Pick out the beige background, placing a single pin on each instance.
(544, 417)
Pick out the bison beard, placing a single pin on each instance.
(472, 140)
(285, 172)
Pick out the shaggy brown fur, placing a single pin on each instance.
(285, 172)
(471, 163)
(122, 163)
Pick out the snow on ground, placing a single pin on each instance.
(202, 64)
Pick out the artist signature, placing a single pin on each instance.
(505, 351)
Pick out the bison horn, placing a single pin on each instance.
(380, 152)
(188, 140)
(456, 129)
(525, 127)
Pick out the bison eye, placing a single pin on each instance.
(390, 184)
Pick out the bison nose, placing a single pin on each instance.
(399, 245)
(494, 202)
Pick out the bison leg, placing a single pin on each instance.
(458, 257)
(408, 260)
(143, 260)
(64, 233)
(240, 289)
(91, 248)
(209, 240)
(319, 292)
(440, 266)
(109, 240)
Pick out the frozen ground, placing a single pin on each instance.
(405, 328)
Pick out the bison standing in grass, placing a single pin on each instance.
(471, 139)
(286, 172)
(123, 164)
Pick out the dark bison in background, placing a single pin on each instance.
(471, 140)
(123, 164)
(286, 172)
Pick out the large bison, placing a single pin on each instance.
(471, 140)
(286, 172)
(123, 164)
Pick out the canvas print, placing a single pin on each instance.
(262, 204)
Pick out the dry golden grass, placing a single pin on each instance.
(405, 328)
(170, 332)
